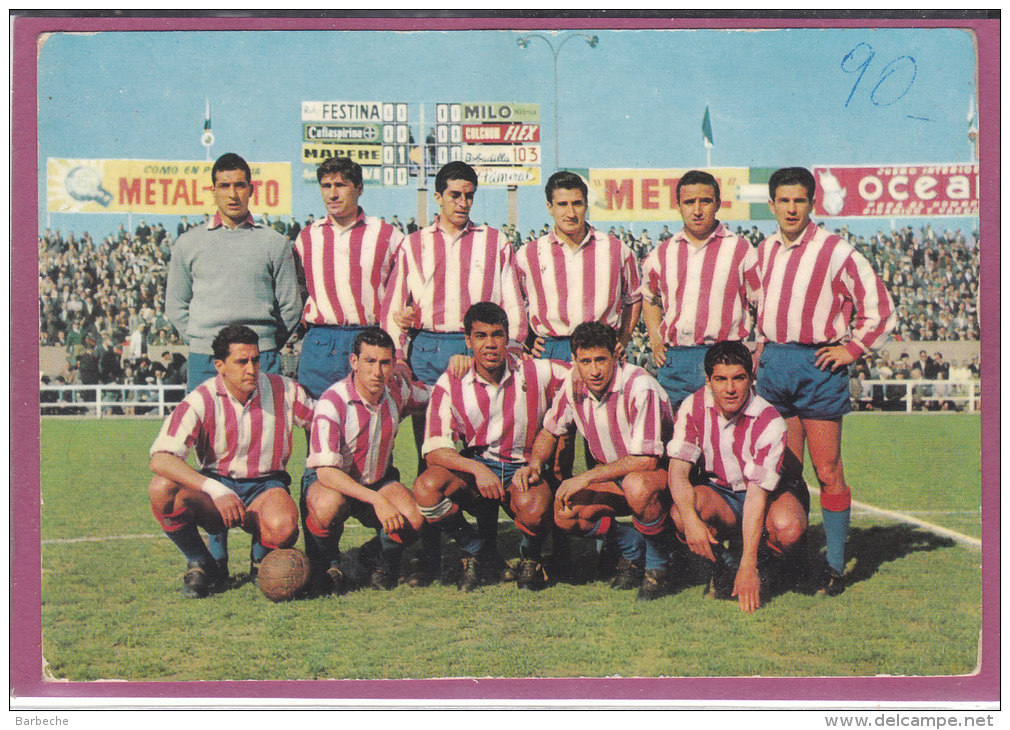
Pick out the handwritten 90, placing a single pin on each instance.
(893, 81)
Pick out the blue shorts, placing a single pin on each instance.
(361, 511)
(683, 373)
(502, 469)
(392, 475)
(325, 358)
(200, 367)
(789, 379)
(249, 489)
(557, 348)
(735, 500)
(430, 352)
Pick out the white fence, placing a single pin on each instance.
(156, 401)
(909, 396)
(103, 401)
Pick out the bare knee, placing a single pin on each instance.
(643, 491)
(324, 505)
(278, 526)
(429, 487)
(532, 509)
(162, 490)
(784, 532)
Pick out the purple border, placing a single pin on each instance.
(25, 557)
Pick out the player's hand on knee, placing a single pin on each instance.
(538, 347)
(658, 357)
(747, 588)
(526, 476)
(231, 509)
(489, 486)
(388, 516)
(568, 489)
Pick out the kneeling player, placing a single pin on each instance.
(625, 417)
(495, 408)
(351, 450)
(241, 423)
(744, 490)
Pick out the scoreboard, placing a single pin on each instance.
(500, 140)
(375, 134)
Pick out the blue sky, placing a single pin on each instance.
(777, 97)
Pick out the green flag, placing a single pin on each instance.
(706, 130)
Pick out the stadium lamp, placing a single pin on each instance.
(524, 41)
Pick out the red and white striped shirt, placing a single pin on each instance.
(499, 420)
(237, 440)
(351, 434)
(745, 448)
(565, 287)
(705, 292)
(821, 290)
(346, 270)
(632, 418)
(442, 277)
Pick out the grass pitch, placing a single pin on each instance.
(111, 607)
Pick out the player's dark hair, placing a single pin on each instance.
(565, 180)
(456, 170)
(485, 313)
(699, 177)
(729, 352)
(345, 166)
(233, 334)
(792, 176)
(227, 162)
(593, 334)
(374, 336)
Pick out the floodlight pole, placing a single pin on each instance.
(524, 41)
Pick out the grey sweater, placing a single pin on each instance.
(221, 276)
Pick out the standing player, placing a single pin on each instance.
(347, 258)
(231, 270)
(576, 274)
(439, 272)
(625, 417)
(241, 423)
(743, 490)
(823, 306)
(571, 275)
(699, 288)
(351, 455)
(495, 409)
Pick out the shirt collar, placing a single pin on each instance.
(719, 232)
(803, 240)
(511, 365)
(328, 220)
(216, 222)
(222, 390)
(590, 235)
(750, 408)
(437, 226)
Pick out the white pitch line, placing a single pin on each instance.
(973, 542)
(70, 540)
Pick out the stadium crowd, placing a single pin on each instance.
(110, 294)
